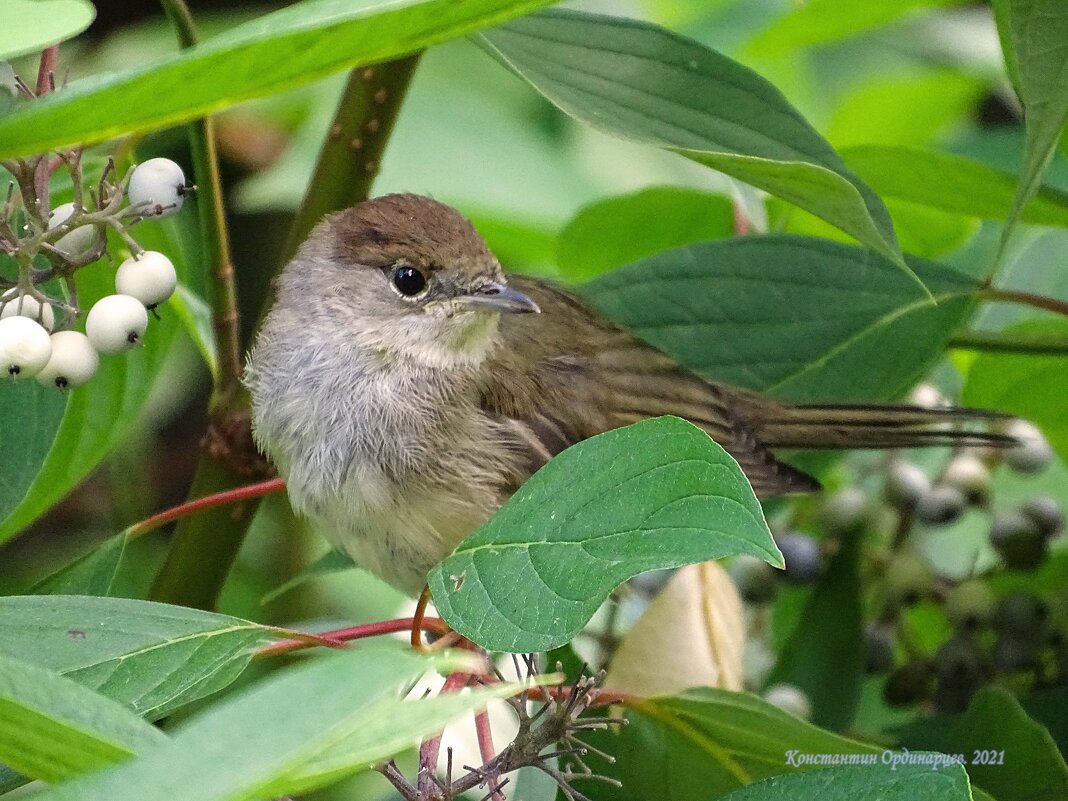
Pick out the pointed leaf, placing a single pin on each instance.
(641, 82)
(804, 318)
(148, 656)
(904, 783)
(656, 494)
(53, 728)
(90, 574)
(250, 746)
(278, 51)
(706, 742)
(1036, 32)
(951, 183)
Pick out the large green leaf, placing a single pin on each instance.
(704, 743)
(261, 743)
(52, 727)
(148, 656)
(1007, 753)
(618, 230)
(281, 50)
(35, 24)
(99, 415)
(825, 653)
(806, 319)
(30, 414)
(640, 82)
(904, 783)
(821, 21)
(1035, 36)
(657, 494)
(951, 183)
(1028, 385)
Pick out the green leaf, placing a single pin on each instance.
(195, 315)
(616, 231)
(251, 746)
(705, 742)
(806, 319)
(825, 653)
(656, 494)
(30, 413)
(870, 112)
(101, 414)
(640, 82)
(904, 783)
(329, 563)
(151, 657)
(1007, 753)
(951, 183)
(1037, 34)
(52, 728)
(90, 574)
(1028, 385)
(278, 51)
(31, 25)
(821, 21)
(394, 726)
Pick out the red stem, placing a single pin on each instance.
(487, 751)
(47, 69)
(431, 747)
(207, 502)
(338, 636)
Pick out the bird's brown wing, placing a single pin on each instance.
(554, 394)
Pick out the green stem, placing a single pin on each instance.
(1005, 343)
(1024, 298)
(205, 546)
(353, 148)
(227, 394)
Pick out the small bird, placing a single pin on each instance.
(405, 386)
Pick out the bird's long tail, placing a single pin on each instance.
(834, 426)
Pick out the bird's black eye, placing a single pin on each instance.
(408, 280)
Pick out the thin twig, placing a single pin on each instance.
(208, 502)
(1024, 298)
(1000, 342)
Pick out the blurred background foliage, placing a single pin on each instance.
(557, 199)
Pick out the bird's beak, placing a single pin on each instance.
(498, 297)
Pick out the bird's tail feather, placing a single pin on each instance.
(830, 426)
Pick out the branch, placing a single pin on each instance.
(208, 502)
(997, 342)
(352, 149)
(1025, 299)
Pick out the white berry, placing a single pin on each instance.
(149, 277)
(11, 305)
(116, 323)
(789, 698)
(24, 347)
(906, 484)
(157, 188)
(928, 396)
(80, 240)
(74, 361)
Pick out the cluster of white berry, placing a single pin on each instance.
(73, 237)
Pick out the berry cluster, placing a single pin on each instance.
(994, 630)
(49, 245)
